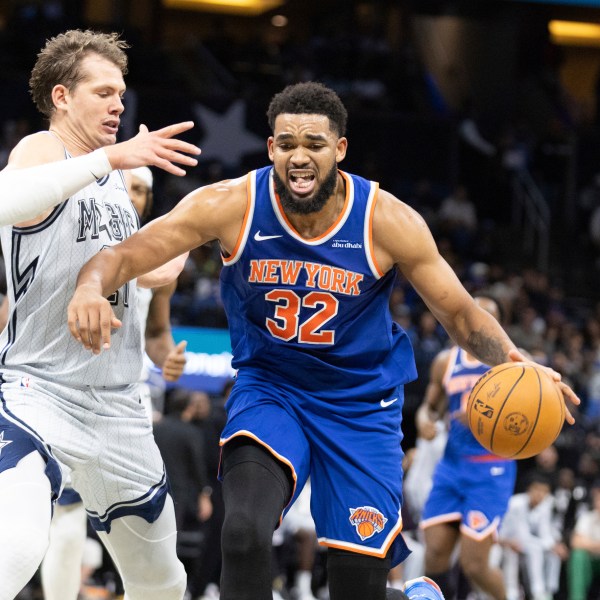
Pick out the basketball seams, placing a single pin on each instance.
(537, 416)
(521, 404)
(478, 385)
(501, 408)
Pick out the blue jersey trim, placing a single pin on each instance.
(148, 507)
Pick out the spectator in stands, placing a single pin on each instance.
(458, 220)
(528, 533)
(584, 562)
(182, 448)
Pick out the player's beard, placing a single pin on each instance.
(306, 206)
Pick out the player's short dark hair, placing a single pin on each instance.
(310, 98)
(536, 477)
(59, 62)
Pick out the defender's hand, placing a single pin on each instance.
(158, 148)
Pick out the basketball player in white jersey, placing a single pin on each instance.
(61, 567)
(63, 411)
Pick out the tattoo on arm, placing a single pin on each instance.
(485, 348)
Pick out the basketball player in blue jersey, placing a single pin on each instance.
(66, 412)
(309, 259)
(471, 487)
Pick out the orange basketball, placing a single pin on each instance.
(365, 529)
(515, 410)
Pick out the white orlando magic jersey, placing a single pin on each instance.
(42, 264)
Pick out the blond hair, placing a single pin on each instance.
(59, 62)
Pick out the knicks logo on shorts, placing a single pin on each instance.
(476, 520)
(367, 520)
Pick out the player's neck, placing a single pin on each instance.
(74, 144)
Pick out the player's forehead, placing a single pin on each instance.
(99, 71)
(303, 125)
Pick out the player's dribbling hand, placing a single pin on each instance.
(90, 318)
(567, 392)
(158, 148)
(174, 364)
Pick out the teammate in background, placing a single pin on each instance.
(61, 567)
(310, 255)
(65, 411)
(471, 487)
(154, 304)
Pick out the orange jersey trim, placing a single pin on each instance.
(357, 549)
(278, 456)
(242, 234)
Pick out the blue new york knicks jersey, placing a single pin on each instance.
(314, 312)
(461, 375)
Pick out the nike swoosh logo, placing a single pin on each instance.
(262, 238)
(386, 403)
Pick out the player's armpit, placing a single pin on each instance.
(165, 274)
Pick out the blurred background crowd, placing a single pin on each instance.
(476, 113)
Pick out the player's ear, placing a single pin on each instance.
(59, 95)
(270, 145)
(340, 150)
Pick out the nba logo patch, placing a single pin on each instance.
(476, 520)
(367, 520)
(25, 382)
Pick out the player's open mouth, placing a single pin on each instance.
(111, 126)
(301, 183)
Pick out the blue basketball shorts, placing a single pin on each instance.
(350, 448)
(474, 491)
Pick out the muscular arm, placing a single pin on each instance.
(403, 238)
(435, 400)
(160, 345)
(213, 212)
(158, 337)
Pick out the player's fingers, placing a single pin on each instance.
(175, 129)
(177, 145)
(569, 393)
(73, 323)
(102, 329)
(180, 348)
(143, 128)
(174, 156)
(165, 165)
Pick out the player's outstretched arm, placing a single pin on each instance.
(37, 177)
(213, 212)
(402, 238)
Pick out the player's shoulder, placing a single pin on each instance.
(36, 149)
(389, 204)
(228, 193)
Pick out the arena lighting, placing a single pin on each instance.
(574, 33)
(238, 7)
